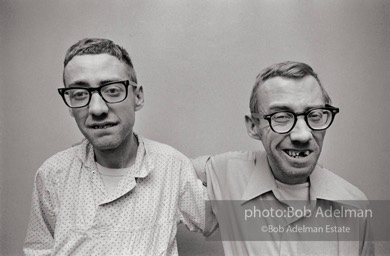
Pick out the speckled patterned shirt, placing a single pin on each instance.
(72, 214)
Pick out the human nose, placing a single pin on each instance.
(301, 132)
(97, 106)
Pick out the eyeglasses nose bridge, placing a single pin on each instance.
(304, 114)
(96, 90)
(98, 105)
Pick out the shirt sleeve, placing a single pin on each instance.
(200, 164)
(40, 233)
(367, 244)
(194, 206)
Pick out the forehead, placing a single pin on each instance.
(94, 68)
(296, 94)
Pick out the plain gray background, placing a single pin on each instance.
(197, 61)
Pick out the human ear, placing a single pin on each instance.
(252, 128)
(139, 98)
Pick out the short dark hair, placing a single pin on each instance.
(100, 46)
(288, 69)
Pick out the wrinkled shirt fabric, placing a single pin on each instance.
(246, 177)
(72, 213)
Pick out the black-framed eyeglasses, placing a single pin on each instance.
(113, 92)
(317, 119)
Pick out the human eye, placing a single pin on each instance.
(316, 115)
(78, 94)
(113, 90)
(282, 117)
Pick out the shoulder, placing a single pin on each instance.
(59, 162)
(341, 188)
(227, 158)
(229, 164)
(236, 155)
(157, 149)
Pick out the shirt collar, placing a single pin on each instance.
(142, 163)
(261, 180)
(323, 184)
(327, 186)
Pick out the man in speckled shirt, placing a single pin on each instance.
(116, 193)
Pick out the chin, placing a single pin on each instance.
(105, 144)
(299, 174)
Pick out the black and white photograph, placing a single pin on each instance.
(194, 127)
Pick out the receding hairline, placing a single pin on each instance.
(130, 70)
(270, 84)
(286, 70)
(98, 54)
(254, 101)
(97, 46)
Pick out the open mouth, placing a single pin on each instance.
(297, 153)
(102, 126)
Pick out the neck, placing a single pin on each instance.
(292, 180)
(121, 157)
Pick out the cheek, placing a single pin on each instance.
(264, 131)
(271, 138)
(319, 138)
(125, 113)
(79, 114)
(270, 141)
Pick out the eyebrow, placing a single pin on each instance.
(280, 108)
(86, 84)
(287, 108)
(103, 82)
(78, 84)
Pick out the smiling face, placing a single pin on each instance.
(107, 126)
(291, 156)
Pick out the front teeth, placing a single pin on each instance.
(102, 127)
(298, 154)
